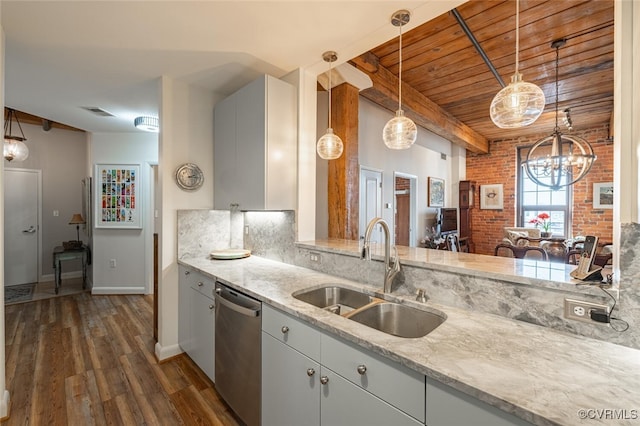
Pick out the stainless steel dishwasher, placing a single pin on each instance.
(238, 352)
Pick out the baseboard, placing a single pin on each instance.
(117, 290)
(65, 275)
(163, 353)
(4, 405)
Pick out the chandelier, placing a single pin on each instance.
(329, 146)
(14, 147)
(559, 160)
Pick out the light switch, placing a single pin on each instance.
(56, 213)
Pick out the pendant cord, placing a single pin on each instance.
(330, 67)
(400, 72)
(517, 33)
(557, 85)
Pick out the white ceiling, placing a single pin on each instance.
(64, 55)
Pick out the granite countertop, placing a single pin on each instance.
(538, 374)
(537, 273)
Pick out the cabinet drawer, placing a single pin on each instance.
(398, 385)
(291, 331)
(202, 284)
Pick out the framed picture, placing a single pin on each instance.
(435, 195)
(603, 195)
(491, 197)
(116, 196)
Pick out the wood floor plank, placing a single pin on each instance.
(83, 359)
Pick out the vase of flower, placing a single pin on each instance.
(544, 221)
(545, 234)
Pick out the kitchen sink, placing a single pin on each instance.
(389, 317)
(338, 300)
(398, 320)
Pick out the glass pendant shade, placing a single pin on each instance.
(400, 132)
(517, 105)
(329, 146)
(15, 150)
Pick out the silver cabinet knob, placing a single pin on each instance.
(310, 372)
(211, 306)
(362, 369)
(187, 272)
(284, 329)
(200, 283)
(324, 380)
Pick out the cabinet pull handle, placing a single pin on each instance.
(310, 372)
(284, 329)
(211, 306)
(362, 369)
(200, 283)
(324, 380)
(187, 272)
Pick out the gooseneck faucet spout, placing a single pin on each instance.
(390, 269)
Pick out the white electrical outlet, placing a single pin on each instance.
(112, 263)
(315, 257)
(581, 310)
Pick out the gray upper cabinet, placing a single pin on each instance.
(255, 147)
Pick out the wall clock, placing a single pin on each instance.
(189, 177)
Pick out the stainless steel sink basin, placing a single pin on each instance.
(398, 320)
(336, 299)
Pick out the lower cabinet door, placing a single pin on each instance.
(290, 386)
(203, 332)
(344, 403)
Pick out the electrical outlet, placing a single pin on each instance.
(112, 263)
(581, 310)
(315, 257)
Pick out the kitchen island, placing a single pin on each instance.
(535, 373)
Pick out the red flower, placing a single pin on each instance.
(544, 216)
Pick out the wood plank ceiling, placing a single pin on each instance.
(440, 62)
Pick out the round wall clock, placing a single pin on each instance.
(189, 177)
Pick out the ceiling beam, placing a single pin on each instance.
(416, 106)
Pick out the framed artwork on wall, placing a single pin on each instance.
(491, 197)
(603, 195)
(435, 194)
(116, 196)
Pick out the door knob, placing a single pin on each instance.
(31, 230)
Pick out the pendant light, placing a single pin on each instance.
(330, 146)
(14, 147)
(559, 160)
(520, 103)
(400, 132)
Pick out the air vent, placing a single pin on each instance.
(98, 111)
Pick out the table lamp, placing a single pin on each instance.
(76, 220)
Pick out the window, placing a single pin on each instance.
(534, 199)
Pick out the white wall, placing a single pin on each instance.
(423, 159)
(126, 246)
(186, 135)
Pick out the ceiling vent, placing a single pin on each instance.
(99, 111)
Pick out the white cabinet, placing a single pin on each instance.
(196, 319)
(448, 406)
(255, 147)
(299, 388)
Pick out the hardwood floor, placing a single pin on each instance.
(89, 360)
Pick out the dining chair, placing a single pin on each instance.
(520, 252)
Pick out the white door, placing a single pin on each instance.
(21, 233)
(370, 201)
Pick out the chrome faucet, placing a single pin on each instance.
(390, 270)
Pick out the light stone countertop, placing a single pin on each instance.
(538, 374)
(537, 273)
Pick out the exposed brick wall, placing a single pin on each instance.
(499, 166)
(402, 184)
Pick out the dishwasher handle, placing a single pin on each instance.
(250, 312)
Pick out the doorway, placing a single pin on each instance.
(370, 201)
(405, 209)
(22, 218)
